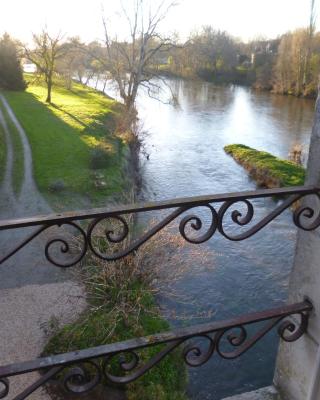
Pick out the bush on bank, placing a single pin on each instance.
(121, 306)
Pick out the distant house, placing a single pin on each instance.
(263, 50)
(29, 67)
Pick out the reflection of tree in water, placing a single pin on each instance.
(204, 95)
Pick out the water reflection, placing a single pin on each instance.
(185, 145)
(187, 158)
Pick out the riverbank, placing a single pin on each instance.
(30, 285)
(76, 148)
(266, 169)
(237, 76)
(78, 157)
(121, 306)
(242, 76)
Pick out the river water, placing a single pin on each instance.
(186, 158)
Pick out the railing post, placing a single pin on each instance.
(297, 372)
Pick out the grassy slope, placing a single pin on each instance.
(265, 167)
(62, 136)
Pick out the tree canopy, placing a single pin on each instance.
(11, 76)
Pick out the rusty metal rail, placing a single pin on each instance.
(219, 207)
(229, 339)
(85, 369)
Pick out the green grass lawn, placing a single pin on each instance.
(264, 167)
(63, 136)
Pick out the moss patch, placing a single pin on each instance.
(165, 381)
(268, 170)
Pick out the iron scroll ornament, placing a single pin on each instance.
(81, 371)
(190, 226)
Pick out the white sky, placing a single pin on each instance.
(241, 18)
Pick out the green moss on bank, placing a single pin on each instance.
(165, 381)
(266, 169)
(63, 137)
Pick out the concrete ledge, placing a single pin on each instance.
(267, 393)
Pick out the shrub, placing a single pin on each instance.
(121, 297)
(98, 158)
(57, 186)
(10, 68)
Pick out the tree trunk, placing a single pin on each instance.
(104, 85)
(49, 88)
(97, 81)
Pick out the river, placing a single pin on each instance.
(186, 158)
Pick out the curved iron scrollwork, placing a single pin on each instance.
(81, 371)
(4, 390)
(306, 217)
(82, 378)
(65, 245)
(192, 226)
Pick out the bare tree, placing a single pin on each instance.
(311, 31)
(131, 61)
(74, 61)
(47, 51)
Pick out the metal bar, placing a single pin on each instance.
(40, 382)
(160, 338)
(191, 227)
(187, 202)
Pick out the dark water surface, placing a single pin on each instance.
(186, 158)
(185, 145)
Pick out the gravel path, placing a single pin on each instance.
(32, 291)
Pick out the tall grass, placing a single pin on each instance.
(121, 297)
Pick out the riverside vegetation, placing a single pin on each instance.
(122, 305)
(79, 156)
(72, 140)
(266, 169)
(77, 152)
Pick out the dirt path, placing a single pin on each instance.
(32, 291)
(6, 193)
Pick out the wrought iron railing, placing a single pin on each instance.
(78, 377)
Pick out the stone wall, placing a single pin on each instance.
(297, 371)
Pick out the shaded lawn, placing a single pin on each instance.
(62, 136)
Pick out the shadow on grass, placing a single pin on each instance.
(70, 115)
(59, 151)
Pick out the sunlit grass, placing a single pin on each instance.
(267, 169)
(63, 134)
